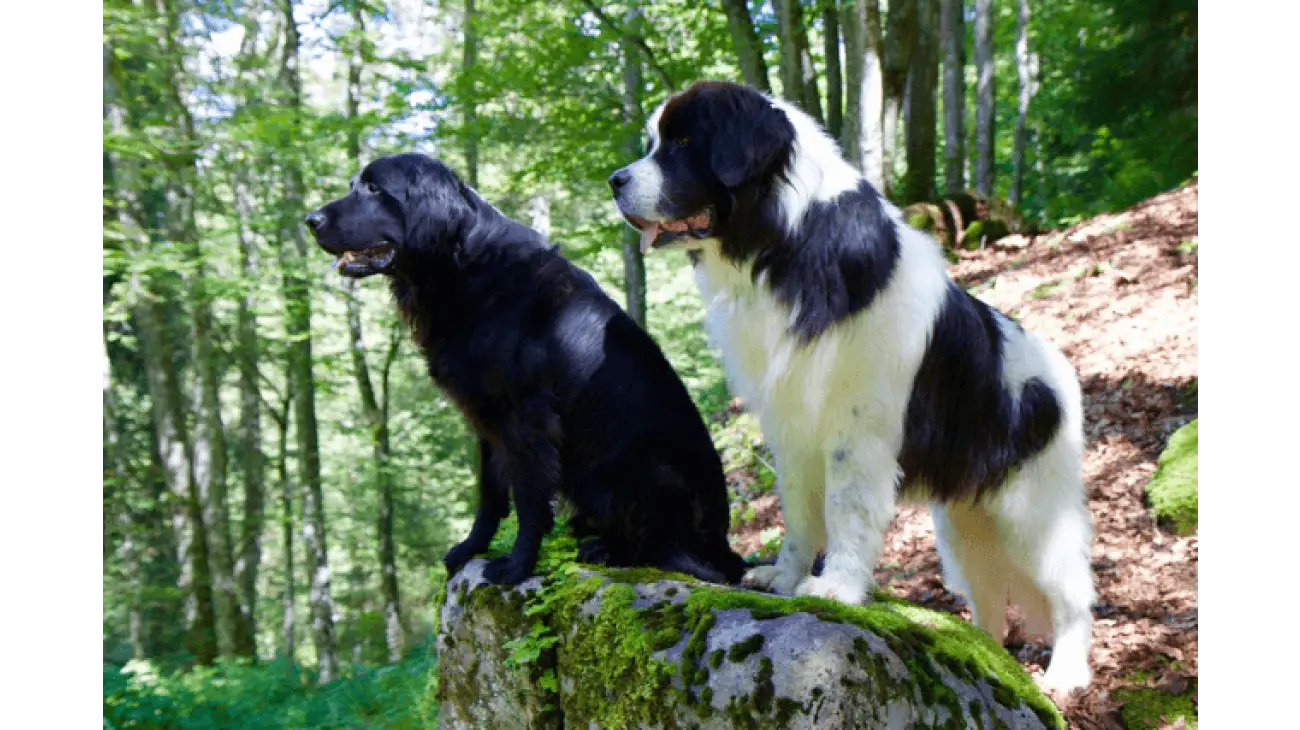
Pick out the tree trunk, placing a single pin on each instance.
(248, 555)
(834, 81)
(749, 49)
(634, 119)
(862, 136)
(394, 626)
(984, 97)
(288, 627)
(469, 104)
(173, 446)
(807, 71)
(209, 440)
(1025, 71)
(377, 416)
(952, 33)
(922, 83)
(297, 297)
(787, 21)
(900, 41)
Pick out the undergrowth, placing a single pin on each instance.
(270, 696)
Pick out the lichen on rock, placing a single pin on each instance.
(588, 646)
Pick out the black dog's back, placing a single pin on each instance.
(567, 394)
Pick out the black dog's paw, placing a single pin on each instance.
(456, 558)
(593, 551)
(505, 571)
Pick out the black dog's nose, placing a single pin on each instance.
(315, 221)
(619, 179)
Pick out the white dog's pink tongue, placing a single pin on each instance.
(649, 232)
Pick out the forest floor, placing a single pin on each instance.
(1118, 295)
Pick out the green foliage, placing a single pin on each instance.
(235, 694)
(1172, 491)
(1152, 708)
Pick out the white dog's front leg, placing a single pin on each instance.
(800, 482)
(860, 497)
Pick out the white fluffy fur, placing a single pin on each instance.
(833, 412)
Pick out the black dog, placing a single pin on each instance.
(566, 392)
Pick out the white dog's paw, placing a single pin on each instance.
(770, 578)
(1063, 679)
(836, 590)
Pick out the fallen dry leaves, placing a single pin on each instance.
(1118, 295)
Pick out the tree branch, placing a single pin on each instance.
(634, 38)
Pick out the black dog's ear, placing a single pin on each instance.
(437, 209)
(752, 136)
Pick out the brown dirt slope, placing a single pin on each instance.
(1118, 295)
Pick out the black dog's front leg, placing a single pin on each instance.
(493, 506)
(534, 468)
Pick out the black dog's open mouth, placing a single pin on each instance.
(656, 234)
(372, 260)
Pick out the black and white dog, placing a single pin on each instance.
(567, 394)
(871, 372)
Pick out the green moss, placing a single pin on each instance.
(1172, 491)
(741, 650)
(1144, 708)
(715, 658)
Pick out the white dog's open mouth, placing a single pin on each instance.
(660, 233)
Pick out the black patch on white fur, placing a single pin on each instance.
(725, 146)
(964, 431)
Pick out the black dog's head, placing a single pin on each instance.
(400, 207)
(712, 148)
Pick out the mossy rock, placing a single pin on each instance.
(606, 648)
(1172, 492)
(984, 232)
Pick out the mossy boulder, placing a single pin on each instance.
(1150, 708)
(595, 647)
(1172, 491)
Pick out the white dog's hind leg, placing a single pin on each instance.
(974, 562)
(1045, 526)
(800, 481)
(860, 499)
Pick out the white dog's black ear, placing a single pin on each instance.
(752, 137)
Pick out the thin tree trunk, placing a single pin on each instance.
(862, 136)
(248, 556)
(807, 70)
(984, 90)
(209, 440)
(173, 445)
(922, 82)
(952, 32)
(834, 80)
(900, 41)
(787, 21)
(118, 508)
(1025, 71)
(377, 416)
(297, 296)
(634, 119)
(469, 104)
(288, 626)
(749, 49)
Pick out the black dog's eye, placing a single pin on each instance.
(372, 188)
(681, 141)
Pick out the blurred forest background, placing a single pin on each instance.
(281, 479)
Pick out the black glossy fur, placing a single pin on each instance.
(567, 394)
(724, 147)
